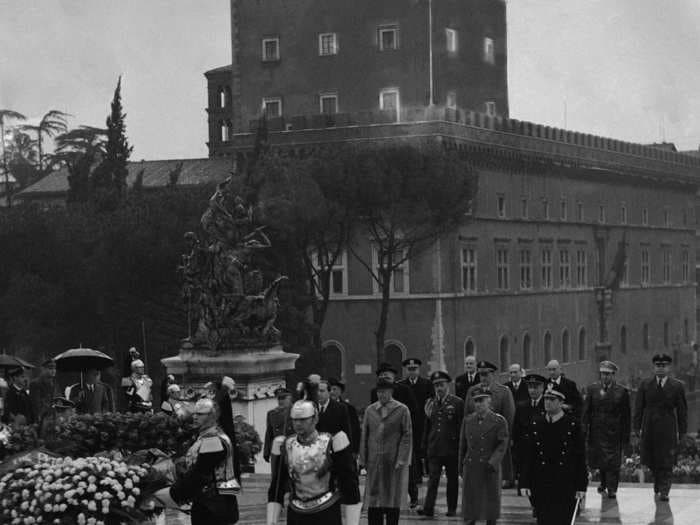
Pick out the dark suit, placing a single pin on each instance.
(223, 400)
(422, 390)
(462, 384)
(524, 414)
(402, 394)
(95, 400)
(17, 402)
(574, 402)
(355, 429)
(333, 419)
(661, 415)
(520, 393)
(441, 444)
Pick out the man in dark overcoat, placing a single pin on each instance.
(606, 422)
(554, 469)
(468, 379)
(92, 396)
(332, 415)
(18, 405)
(574, 401)
(525, 412)
(43, 390)
(483, 442)
(422, 390)
(661, 421)
(516, 385)
(337, 392)
(445, 413)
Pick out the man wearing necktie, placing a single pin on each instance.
(606, 424)
(468, 379)
(93, 396)
(661, 421)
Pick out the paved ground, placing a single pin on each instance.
(635, 506)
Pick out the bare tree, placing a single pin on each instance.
(7, 115)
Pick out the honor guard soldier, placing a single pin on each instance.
(209, 481)
(422, 390)
(445, 413)
(661, 417)
(138, 388)
(318, 469)
(525, 412)
(554, 470)
(606, 423)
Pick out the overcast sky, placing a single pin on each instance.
(627, 69)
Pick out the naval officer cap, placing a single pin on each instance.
(663, 359)
(534, 379)
(486, 366)
(412, 362)
(439, 376)
(608, 366)
(554, 391)
(479, 392)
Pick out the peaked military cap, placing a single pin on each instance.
(479, 391)
(608, 366)
(336, 382)
(485, 365)
(439, 375)
(386, 367)
(554, 390)
(282, 392)
(535, 378)
(411, 362)
(384, 384)
(662, 359)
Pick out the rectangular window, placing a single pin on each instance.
(525, 269)
(581, 266)
(625, 279)
(469, 270)
(502, 269)
(666, 255)
(546, 268)
(489, 51)
(491, 109)
(564, 268)
(451, 38)
(523, 208)
(388, 37)
(501, 206)
(272, 106)
(645, 216)
(623, 213)
(338, 281)
(645, 266)
(564, 209)
(601, 214)
(579, 211)
(271, 49)
(389, 101)
(685, 266)
(327, 44)
(451, 101)
(400, 283)
(328, 103)
(545, 209)
(667, 218)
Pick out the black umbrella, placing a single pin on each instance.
(10, 361)
(79, 359)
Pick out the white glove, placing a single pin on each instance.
(352, 513)
(273, 513)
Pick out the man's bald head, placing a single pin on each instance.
(515, 371)
(554, 369)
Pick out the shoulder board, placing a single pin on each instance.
(499, 417)
(277, 445)
(210, 445)
(340, 441)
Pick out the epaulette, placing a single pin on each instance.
(340, 441)
(277, 443)
(211, 445)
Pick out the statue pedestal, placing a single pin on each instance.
(258, 372)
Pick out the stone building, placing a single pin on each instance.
(523, 280)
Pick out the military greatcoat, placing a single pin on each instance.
(606, 424)
(661, 414)
(482, 444)
(386, 442)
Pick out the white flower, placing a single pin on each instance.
(128, 484)
(92, 506)
(24, 505)
(91, 488)
(136, 491)
(81, 519)
(48, 507)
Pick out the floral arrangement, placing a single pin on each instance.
(83, 491)
(18, 438)
(248, 441)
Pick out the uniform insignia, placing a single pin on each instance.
(211, 445)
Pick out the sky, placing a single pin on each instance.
(626, 69)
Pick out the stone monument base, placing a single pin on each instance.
(258, 372)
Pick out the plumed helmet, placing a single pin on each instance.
(137, 363)
(303, 410)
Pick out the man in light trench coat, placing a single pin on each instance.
(385, 451)
(483, 441)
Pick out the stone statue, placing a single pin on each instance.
(222, 283)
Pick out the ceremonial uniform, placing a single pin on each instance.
(661, 415)
(554, 466)
(319, 474)
(209, 481)
(606, 425)
(138, 393)
(483, 442)
(441, 445)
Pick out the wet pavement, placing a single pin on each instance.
(635, 505)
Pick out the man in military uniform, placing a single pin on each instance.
(422, 390)
(468, 379)
(606, 424)
(18, 405)
(278, 421)
(661, 421)
(318, 469)
(138, 388)
(441, 443)
(209, 482)
(525, 412)
(554, 470)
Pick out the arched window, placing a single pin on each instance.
(469, 348)
(582, 344)
(332, 361)
(222, 98)
(565, 354)
(645, 336)
(224, 131)
(394, 355)
(527, 352)
(665, 334)
(623, 339)
(504, 354)
(547, 347)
